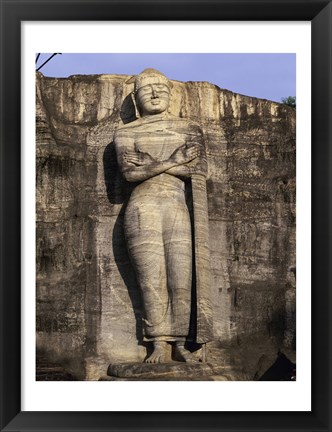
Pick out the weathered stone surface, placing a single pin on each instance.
(88, 304)
(47, 371)
(172, 372)
(163, 370)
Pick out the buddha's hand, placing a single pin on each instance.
(137, 158)
(185, 153)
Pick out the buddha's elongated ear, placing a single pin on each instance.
(131, 80)
(133, 98)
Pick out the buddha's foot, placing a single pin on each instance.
(158, 355)
(183, 354)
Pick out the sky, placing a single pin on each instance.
(266, 76)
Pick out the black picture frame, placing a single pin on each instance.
(319, 12)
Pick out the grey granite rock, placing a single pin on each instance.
(158, 371)
(89, 310)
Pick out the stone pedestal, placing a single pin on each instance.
(172, 371)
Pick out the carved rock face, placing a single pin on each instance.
(153, 98)
(87, 296)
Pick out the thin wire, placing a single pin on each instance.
(53, 55)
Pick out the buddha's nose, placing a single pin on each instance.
(154, 93)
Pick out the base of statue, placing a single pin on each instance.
(172, 371)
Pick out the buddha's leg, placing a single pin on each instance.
(178, 249)
(151, 275)
(146, 249)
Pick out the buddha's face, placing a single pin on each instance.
(153, 98)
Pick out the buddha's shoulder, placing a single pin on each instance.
(184, 124)
(182, 120)
(143, 122)
(129, 126)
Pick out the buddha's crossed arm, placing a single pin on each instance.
(139, 166)
(196, 166)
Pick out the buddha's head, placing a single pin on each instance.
(152, 92)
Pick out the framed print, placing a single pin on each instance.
(89, 404)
